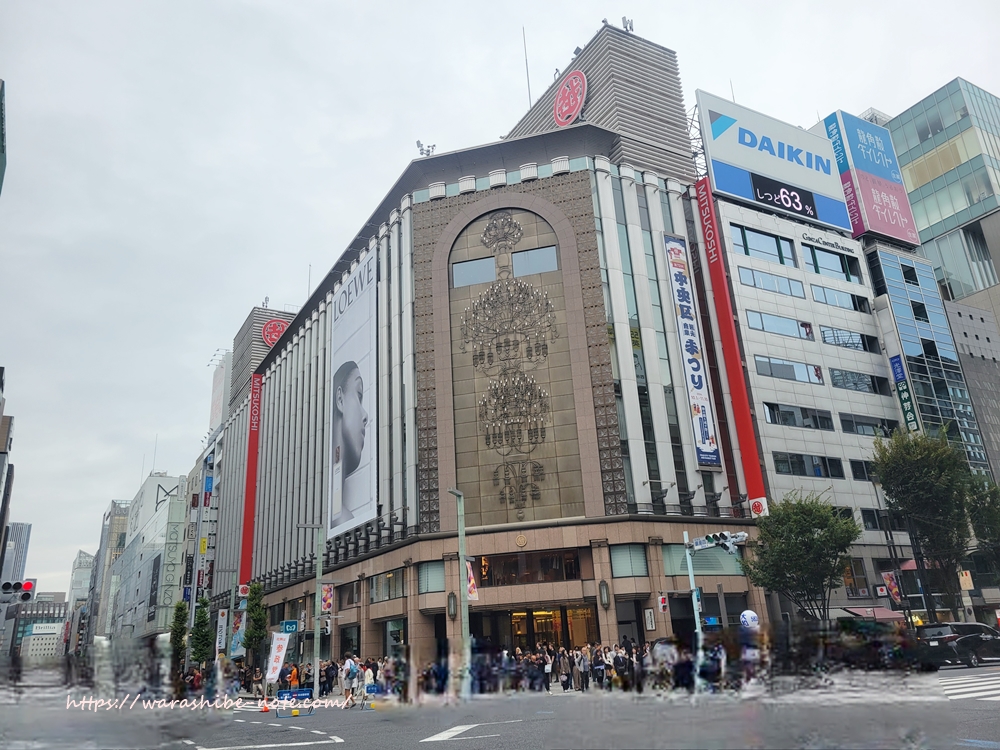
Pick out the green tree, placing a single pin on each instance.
(801, 551)
(256, 630)
(984, 513)
(202, 637)
(928, 482)
(178, 645)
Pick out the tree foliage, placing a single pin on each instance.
(928, 482)
(178, 644)
(256, 630)
(984, 513)
(202, 637)
(801, 551)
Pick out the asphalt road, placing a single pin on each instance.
(950, 709)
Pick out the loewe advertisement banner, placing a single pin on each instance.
(354, 474)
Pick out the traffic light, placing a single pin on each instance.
(17, 592)
(326, 627)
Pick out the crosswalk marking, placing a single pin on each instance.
(978, 687)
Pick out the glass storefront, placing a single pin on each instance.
(563, 626)
(350, 639)
(394, 634)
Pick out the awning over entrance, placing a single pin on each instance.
(882, 614)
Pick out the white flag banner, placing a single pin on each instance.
(279, 645)
(220, 632)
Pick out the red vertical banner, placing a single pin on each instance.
(731, 349)
(250, 495)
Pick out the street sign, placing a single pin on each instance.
(965, 580)
(244, 590)
(701, 543)
(289, 626)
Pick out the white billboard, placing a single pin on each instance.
(353, 402)
(47, 628)
(756, 158)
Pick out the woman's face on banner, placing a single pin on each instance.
(354, 419)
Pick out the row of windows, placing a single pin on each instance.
(804, 373)
(770, 282)
(820, 419)
(769, 247)
(524, 263)
(805, 465)
(845, 300)
(800, 329)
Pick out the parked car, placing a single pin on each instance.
(957, 643)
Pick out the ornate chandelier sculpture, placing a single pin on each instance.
(508, 327)
(513, 414)
(502, 233)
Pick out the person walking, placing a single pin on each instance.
(565, 670)
(584, 657)
(293, 677)
(349, 679)
(258, 682)
(547, 666)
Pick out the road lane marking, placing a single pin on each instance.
(453, 732)
(330, 741)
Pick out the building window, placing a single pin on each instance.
(470, 272)
(779, 325)
(837, 298)
(834, 265)
(856, 424)
(772, 283)
(910, 275)
(845, 513)
(275, 614)
(430, 577)
(628, 560)
(855, 580)
(528, 567)
(386, 586)
(539, 260)
(804, 465)
(349, 595)
(798, 416)
(849, 339)
(787, 370)
(863, 471)
(764, 246)
(859, 381)
(920, 312)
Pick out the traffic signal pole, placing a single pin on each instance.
(696, 606)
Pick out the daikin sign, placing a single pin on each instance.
(774, 165)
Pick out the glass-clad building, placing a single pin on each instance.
(928, 353)
(949, 155)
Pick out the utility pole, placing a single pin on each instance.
(463, 589)
(318, 596)
(696, 606)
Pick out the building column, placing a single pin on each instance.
(607, 619)
(658, 578)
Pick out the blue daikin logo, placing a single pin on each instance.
(720, 123)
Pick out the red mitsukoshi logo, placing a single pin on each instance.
(272, 330)
(569, 98)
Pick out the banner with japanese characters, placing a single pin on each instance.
(693, 352)
(893, 587)
(279, 645)
(873, 182)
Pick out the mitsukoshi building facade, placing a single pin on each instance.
(537, 323)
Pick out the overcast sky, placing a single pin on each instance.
(171, 164)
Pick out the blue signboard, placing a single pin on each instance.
(208, 484)
(898, 373)
(289, 626)
(870, 148)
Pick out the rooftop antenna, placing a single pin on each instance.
(309, 282)
(627, 24)
(732, 90)
(424, 150)
(142, 471)
(526, 73)
(266, 300)
(556, 74)
(155, 441)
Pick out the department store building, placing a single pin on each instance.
(517, 321)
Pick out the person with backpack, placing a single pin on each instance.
(349, 679)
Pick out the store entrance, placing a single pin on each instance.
(562, 626)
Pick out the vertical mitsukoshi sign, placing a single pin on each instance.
(695, 364)
(250, 491)
(353, 402)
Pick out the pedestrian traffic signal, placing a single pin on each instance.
(16, 592)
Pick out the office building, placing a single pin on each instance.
(6, 444)
(79, 583)
(114, 530)
(145, 580)
(16, 555)
(47, 608)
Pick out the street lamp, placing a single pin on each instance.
(463, 594)
(696, 606)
